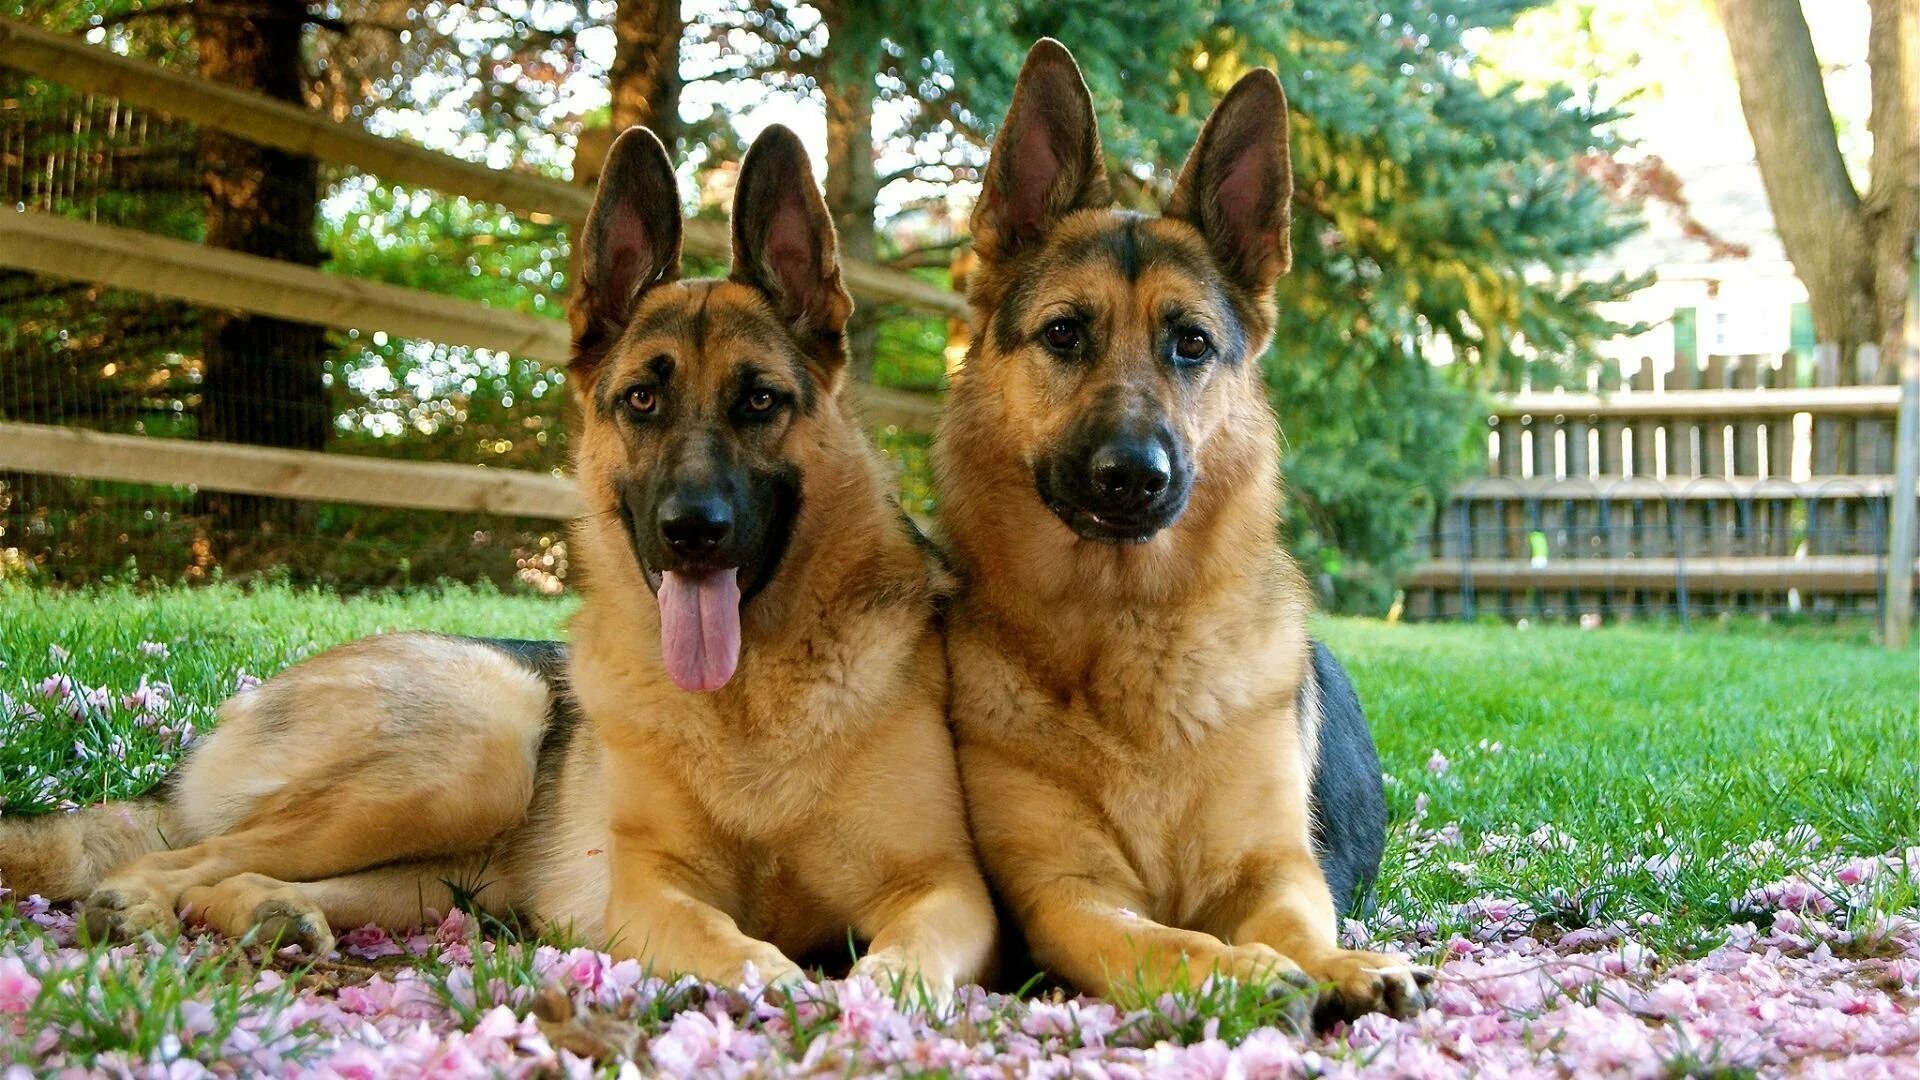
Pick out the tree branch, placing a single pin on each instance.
(939, 254)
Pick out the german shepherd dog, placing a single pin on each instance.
(1139, 712)
(745, 760)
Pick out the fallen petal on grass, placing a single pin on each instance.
(1794, 996)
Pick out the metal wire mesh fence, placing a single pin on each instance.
(61, 368)
(80, 355)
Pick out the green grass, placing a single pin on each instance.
(1671, 768)
(1703, 751)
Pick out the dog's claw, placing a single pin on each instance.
(115, 915)
(278, 923)
(1357, 983)
(1295, 993)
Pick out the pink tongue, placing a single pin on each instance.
(700, 628)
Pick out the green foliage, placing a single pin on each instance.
(448, 403)
(452, 246)
(1368, 460)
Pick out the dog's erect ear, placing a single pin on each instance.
(630, 243)
(1046, 159)
(1237, 185)
(784, 245)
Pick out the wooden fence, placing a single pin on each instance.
(1738, 484)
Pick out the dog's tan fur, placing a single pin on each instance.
(812, 798)
(1126, 714)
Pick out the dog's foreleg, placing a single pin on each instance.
(1098, 940)
(1081, 904)
(1289, 909)
(661, 921)
(930, 938)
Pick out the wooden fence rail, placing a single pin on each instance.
(283, 126)
(292, 474)
(158, 266)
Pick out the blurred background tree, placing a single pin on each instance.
(1853, 248)
(1438, 203)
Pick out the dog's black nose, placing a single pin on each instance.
(695, 524)
(1129, 474)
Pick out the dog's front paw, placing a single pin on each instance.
(900, 974)
(1353, 984)
(768, 967)
(123, 914)
(1283, 986)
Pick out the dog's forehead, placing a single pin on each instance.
(1112, 257)
(706, 330)
(1113, 264)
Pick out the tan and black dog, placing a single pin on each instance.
(1138, 716)
(744, 761)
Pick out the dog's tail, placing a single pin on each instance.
(63, 856)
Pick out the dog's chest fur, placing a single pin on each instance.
(1176, 723)
(761, 753)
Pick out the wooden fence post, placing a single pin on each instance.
(1898, 609)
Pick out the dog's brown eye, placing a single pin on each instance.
(642, 400)
(1061, 335)
(1192, 345)
(759, 400)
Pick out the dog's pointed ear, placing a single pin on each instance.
(629, 244)
(1237, 185)
(784, 245)
(1046, 160)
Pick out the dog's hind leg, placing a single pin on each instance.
(394, 897)
(275, 912)
(312, 834)
(1349, 798)
(399, 748)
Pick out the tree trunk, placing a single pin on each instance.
(1893, 195)
(646, 67)
(1815, 207)
(263, 378)
(853, 187)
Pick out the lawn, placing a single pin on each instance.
(1631, 850)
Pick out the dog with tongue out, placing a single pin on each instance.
(755, 654)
